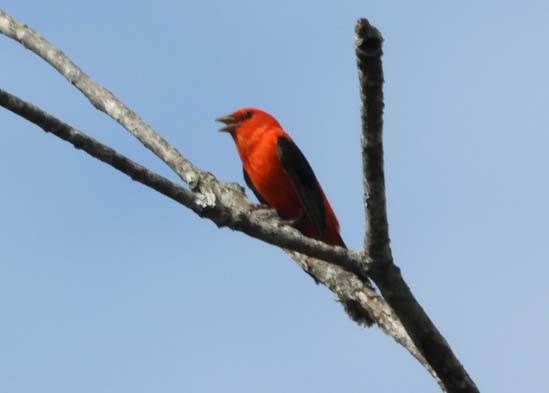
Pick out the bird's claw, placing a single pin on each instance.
(264, 212)
(260, 206)
(292, 221)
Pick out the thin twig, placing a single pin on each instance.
(387, 276)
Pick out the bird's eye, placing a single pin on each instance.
(247, 115)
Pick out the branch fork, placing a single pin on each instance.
(344, 272)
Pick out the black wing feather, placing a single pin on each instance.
(305, 183)
(251, 186)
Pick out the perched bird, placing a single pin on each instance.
(279, 175)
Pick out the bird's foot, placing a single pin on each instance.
(264, 212)
(260, 206)
(293, 221)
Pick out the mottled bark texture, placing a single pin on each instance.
(386, 275)
(342, 271)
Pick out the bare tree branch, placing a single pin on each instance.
(261, 224)
(101, 98)
(226, 205)
(368, 43)
(98, 150)
(360, 301)
(387, 276)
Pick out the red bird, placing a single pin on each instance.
(279, 175)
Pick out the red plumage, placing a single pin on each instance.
(279, 174)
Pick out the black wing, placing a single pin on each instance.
(251, 186)
(305, 183)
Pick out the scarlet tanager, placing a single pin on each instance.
(279, 175)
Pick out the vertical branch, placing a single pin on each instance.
(368, 44)
(387, 276)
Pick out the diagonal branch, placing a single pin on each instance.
(266, 227)
(102, 99)
(224, 205)
(359, 299)
(98, 150)
(387, 276)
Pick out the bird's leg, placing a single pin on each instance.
(260, 206)
(266, 212)
(293, 221)
(263, 211)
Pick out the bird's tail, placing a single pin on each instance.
(352, 307)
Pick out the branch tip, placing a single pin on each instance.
(368, 39)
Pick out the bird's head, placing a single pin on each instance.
(247, 121)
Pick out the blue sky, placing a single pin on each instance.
(106, 286)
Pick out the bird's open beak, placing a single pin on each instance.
(230, 123)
